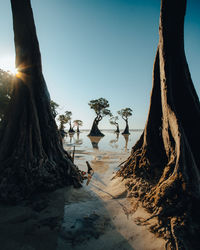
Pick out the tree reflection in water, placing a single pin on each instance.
(95, 141)
(126, 137)
(78, 140)
(113, 142)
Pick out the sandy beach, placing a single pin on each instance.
(99, 216)
(32, 225)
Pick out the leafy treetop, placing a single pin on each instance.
(68, 115)
(54, 107)
(113, 120)
(100, 107)
(78, 123)
(63, 119)
(125, 113)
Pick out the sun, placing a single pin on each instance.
(7, 63)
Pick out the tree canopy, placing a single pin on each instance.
(5, 91)
(113, 120)
(125, 113)
(78, 123)
(68, 115)
(54, 107)
(100, 106)
(63, 119)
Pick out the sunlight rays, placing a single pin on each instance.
(7, 63)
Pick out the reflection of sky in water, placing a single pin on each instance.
(103, 153)
(110, 142)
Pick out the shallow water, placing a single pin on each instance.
(101, 151)
(97, 215)
(110, 142)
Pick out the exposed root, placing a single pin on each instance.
(22, 178)
(166, 200)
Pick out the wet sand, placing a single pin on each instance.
(98, 216)
(34, 224)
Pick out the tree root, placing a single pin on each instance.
(166, 200)
(25, 177)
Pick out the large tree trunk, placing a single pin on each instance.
(95, 130)
(164, 166)
(32, 158)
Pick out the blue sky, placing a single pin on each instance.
(101, 48)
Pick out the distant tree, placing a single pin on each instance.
(100, 107)
(78, 123)
(68, 115)
(113, 121)
(125, 114)
(5, 92)
(54, 107)
(63, 119)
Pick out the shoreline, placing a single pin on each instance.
(100, 216)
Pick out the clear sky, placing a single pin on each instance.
(100, 48)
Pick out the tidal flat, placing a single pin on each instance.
(99, 215)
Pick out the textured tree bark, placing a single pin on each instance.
(32, 158)
(164, 166)
(95, 130)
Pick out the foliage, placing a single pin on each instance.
(125, 113)
(100, 107)
(68, 115)
(78, 123)
(64, 119)
(54, 107)
(5, 91)
(113, 120)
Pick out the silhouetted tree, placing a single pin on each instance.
(68, 115)
(164, 165)
(78, 123)
(32, 158)
(54, 107)
(100, 107)
(63, 119)
(113, 121)
(5, 92)
(125, 114)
